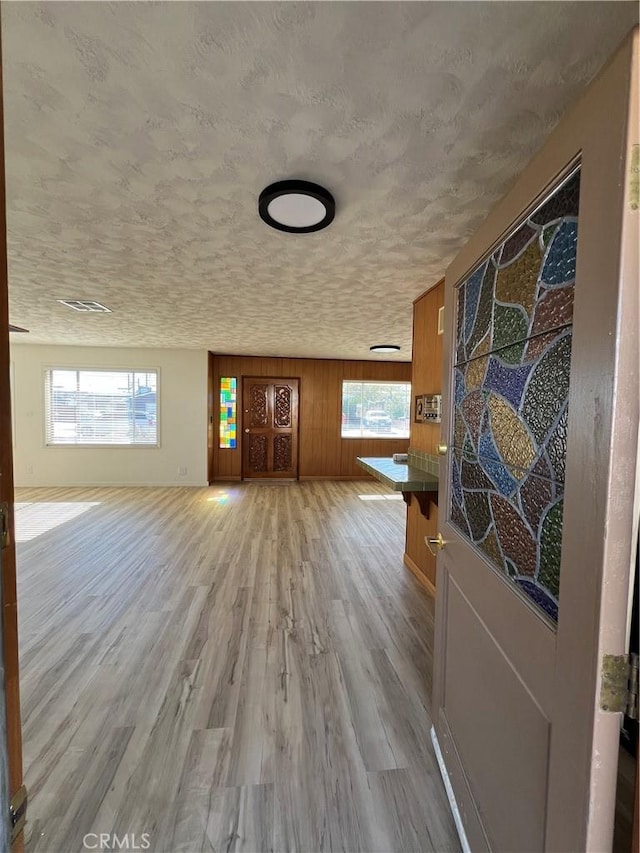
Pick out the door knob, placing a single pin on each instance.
(247, 430)
(442, 449)
(436, 541)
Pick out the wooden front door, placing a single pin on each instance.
(270, 428)
(537, 487)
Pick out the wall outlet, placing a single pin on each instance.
(182, 471)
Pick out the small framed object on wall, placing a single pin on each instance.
(418, 409)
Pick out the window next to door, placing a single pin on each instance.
(375, 409)
(228, 413)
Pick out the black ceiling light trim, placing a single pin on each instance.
(303, 213)
(385, 348)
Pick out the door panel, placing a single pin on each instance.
(9, 629)
(494, 761)
(258, 405)
(282, 406)
(270, 434)
(538, 487)
(258, 461)
(282, 453)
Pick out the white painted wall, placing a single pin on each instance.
(182, 421)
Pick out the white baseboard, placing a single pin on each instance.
(455, 811)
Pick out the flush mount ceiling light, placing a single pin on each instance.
(385, 348)
(296, 206)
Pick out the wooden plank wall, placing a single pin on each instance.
(426, 378)
(323, 453)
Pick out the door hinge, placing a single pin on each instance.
(18, 812)
(619, 684)
(4, 524)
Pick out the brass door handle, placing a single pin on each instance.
(247, 430)
(442, 449)
(438, 541)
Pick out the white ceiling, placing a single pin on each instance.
(139, 136)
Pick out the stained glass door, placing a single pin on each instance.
(536, 501)
(511, 381)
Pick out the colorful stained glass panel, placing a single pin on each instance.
(522, 408)
(513, 359)
(228, 413)
(526, 287)
(516, 523)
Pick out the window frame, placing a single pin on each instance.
(380, 436)
(47, 368)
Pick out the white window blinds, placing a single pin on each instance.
(375, 409)
(101, 407)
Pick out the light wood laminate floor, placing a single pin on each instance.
(240, 668)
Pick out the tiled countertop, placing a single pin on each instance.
(398, 476)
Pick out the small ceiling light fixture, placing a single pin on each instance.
(385, 348)
(298, 207)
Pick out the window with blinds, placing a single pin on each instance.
(375, 409)
(101, 407)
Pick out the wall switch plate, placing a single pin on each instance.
(182, 471)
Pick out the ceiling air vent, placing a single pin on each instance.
(85, 305)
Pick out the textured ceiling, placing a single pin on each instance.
(139, 135)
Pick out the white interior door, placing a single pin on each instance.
(537, 488)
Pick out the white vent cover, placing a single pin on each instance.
(85, 305)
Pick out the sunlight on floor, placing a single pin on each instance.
(221, 498)
(34, 519)
(395, 497)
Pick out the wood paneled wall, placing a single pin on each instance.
(324, 454)
(426, 374)
(426, 378)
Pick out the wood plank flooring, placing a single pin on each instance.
(240, 668)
